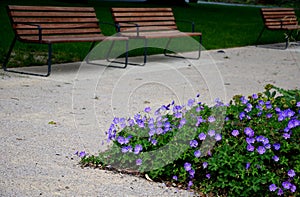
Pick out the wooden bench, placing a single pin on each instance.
(280, 19)
(49, 25)
(148, 23)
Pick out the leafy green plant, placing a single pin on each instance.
(249, 147)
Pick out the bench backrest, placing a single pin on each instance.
(148, 19)
(53, 20)
(279, 17)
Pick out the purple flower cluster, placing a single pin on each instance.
(287, 184)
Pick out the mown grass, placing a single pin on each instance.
(222, 27)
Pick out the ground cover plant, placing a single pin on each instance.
(248, 147)
(222, 27)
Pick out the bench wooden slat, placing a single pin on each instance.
(142, 14)
(141, 19)
(51, 8)
(149, 23)
(149, 28)
(52, 14)
(55, 20)
(58, 26)
(141, 10)
(58, 31)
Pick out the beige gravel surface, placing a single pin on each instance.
(37, 158)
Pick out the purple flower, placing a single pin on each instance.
(202, 136)
(235, 133)
(139, 162)
(269, 115)
(211, 133)
(182, 122)
(140, 123)
(159, 131)
(286, 185)
(276, 146)
(191, 102)
(175, 178)
(254, 96)
(207, 176)
(261, 150)
(154, 142)
(126, 149)
(130, 122)
(82, 154)
(192, 173)
(218, 137)
(248, 108)
(291, 173)
(152, 132)
(268, 105)
(138, 148)
(178, 115)
(211, 119)
(249, 132)
(243, 100)
(116, 120)
(197, 153)
(298, 104)
(286, 135)
(242, 115)
(193, 143)
(275, 158)
(187, 166)
(247, 165)
(190, 184)
(268, 146)
(280, 192)
(199, 121)
(205, 164)
(272, 187)
(293, 188)
(250, 148)
(259, 107)
(147, 109)
(293, 123)
(250, 140)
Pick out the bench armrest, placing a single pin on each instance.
(187, 21)
(35, 25)
(133, 24)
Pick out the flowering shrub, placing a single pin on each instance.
(249, 147)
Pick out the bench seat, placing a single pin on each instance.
(151, 23)
(280, 19)
(50, 25)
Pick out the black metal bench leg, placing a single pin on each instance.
(27, 73)
(176, 56)
(9, 53)
(145, 50)
(49, 59)
(287, 39)
(108, 54)
(126, 56)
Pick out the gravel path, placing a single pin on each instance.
(37, 157)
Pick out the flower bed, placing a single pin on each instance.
(249, 147)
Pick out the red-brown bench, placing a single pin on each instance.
(280, 19)
(148, 23)
(49, 25)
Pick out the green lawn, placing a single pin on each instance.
(222, 27)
